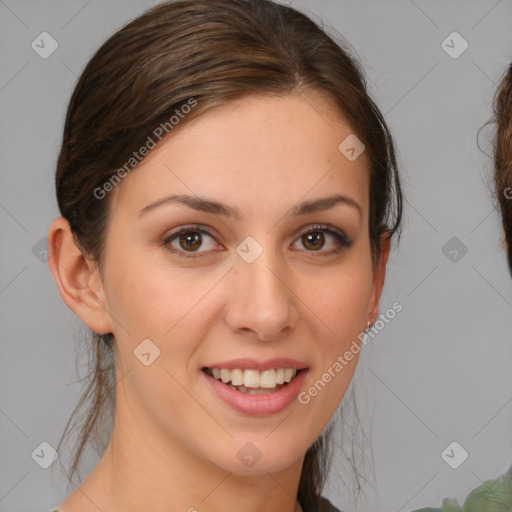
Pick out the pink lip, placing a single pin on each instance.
(253, 364)
(257, 405)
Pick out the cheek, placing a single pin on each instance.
(341, 300)
(147, 289)
(141, 301)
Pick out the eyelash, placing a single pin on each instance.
(340, 237)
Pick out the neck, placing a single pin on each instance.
(155, 472)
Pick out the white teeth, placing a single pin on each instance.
(237, 377)
(251, 378)
(289, 373)
(267, 379)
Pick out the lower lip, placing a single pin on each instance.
(258, 405)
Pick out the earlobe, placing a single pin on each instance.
(79, 284)
(379, 275)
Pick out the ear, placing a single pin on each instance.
(379, 274)
(79, 282)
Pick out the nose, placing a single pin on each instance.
(262, 301)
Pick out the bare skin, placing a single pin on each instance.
(174, 444)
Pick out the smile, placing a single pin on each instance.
(254, 382)
(253, 392)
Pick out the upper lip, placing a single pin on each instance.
(254, 364)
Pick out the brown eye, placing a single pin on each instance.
(188, 240)
(315, 239)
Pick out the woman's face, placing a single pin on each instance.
(237, 290)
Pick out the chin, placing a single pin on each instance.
(257, 454)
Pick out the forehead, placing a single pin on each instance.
(260, 147)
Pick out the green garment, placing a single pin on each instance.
(491, 496)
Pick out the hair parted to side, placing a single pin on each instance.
(213, 51)
(502, 156)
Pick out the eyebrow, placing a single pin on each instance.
(210, 206)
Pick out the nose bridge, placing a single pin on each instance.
(261, 299)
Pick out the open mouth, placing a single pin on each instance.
(254, 382)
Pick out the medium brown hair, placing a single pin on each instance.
(213, 51)
(502, 155)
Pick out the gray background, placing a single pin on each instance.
(438, 373)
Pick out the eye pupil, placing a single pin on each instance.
(315, 237)
(188, 237)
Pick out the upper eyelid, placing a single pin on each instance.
(211, 232)
(190, 227)
(326, 227)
